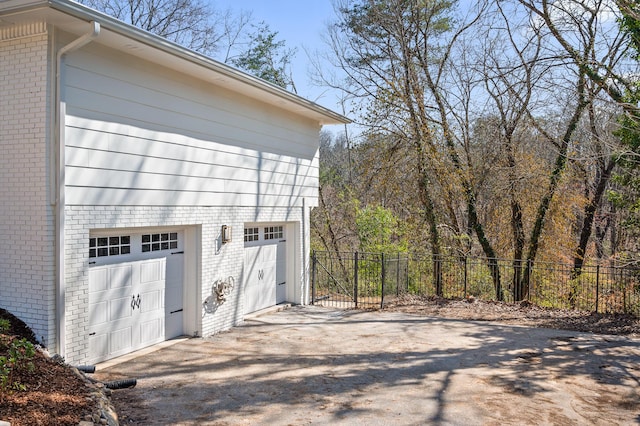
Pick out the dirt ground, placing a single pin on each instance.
(42, 391)
(314, 365)
(523, 313)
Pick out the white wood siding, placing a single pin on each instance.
(137, 134)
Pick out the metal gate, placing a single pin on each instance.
(351, 280)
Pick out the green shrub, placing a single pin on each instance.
(4, 325)
(20, 353)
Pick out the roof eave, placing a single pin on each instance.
(79, 11)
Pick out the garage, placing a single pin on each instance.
(135, 291)
(265, 266)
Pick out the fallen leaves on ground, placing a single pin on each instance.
(523, 313)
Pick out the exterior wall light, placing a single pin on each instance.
(226, 234)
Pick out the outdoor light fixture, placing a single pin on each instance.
(226, 234)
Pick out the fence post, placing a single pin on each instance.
(530, 284)
(597, 286)
(398, 275)
(437, 275)
(465, 276)
(314, 260)
(517, 267)
(406, 274)
(383, 280)
(624, 291)
(355, 278)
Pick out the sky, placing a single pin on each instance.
(300, 23)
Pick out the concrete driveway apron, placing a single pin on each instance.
(317, 366)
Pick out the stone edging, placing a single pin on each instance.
(103, 412)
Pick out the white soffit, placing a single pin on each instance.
(75, 18)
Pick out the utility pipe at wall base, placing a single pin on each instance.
(60, 111)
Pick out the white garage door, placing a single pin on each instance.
(135, 292)
(265, 267)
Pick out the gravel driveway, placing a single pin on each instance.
(312, 365)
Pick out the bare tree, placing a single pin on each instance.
(397, 56)
(512, 67)
(190, 23)
(586, 36)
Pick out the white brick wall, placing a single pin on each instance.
(217, 262)
(27, 261)
(27, 233)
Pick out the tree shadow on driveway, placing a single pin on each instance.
(309, 365)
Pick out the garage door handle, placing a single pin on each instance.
(135, 303)
(282, 283)
(178, 252)
(176, 311)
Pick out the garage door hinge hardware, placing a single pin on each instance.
(92, 263)
(178, 252)
(176, 311)
(135, 302)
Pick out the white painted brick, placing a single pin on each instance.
(26, 262)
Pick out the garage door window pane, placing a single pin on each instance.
(159, 242)
(251, 234)
(109, 246)
(273, 232)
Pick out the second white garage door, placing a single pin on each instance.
(265, 282)
(135, 292)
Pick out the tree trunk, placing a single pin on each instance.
(554, 181)
(589, 215)
(430, 216)
(474, 222)
(517, 226)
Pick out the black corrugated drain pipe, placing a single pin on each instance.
(121, 384)
(86, 368)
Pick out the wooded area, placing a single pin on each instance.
(508, 130)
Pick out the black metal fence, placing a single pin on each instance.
(367, 280)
